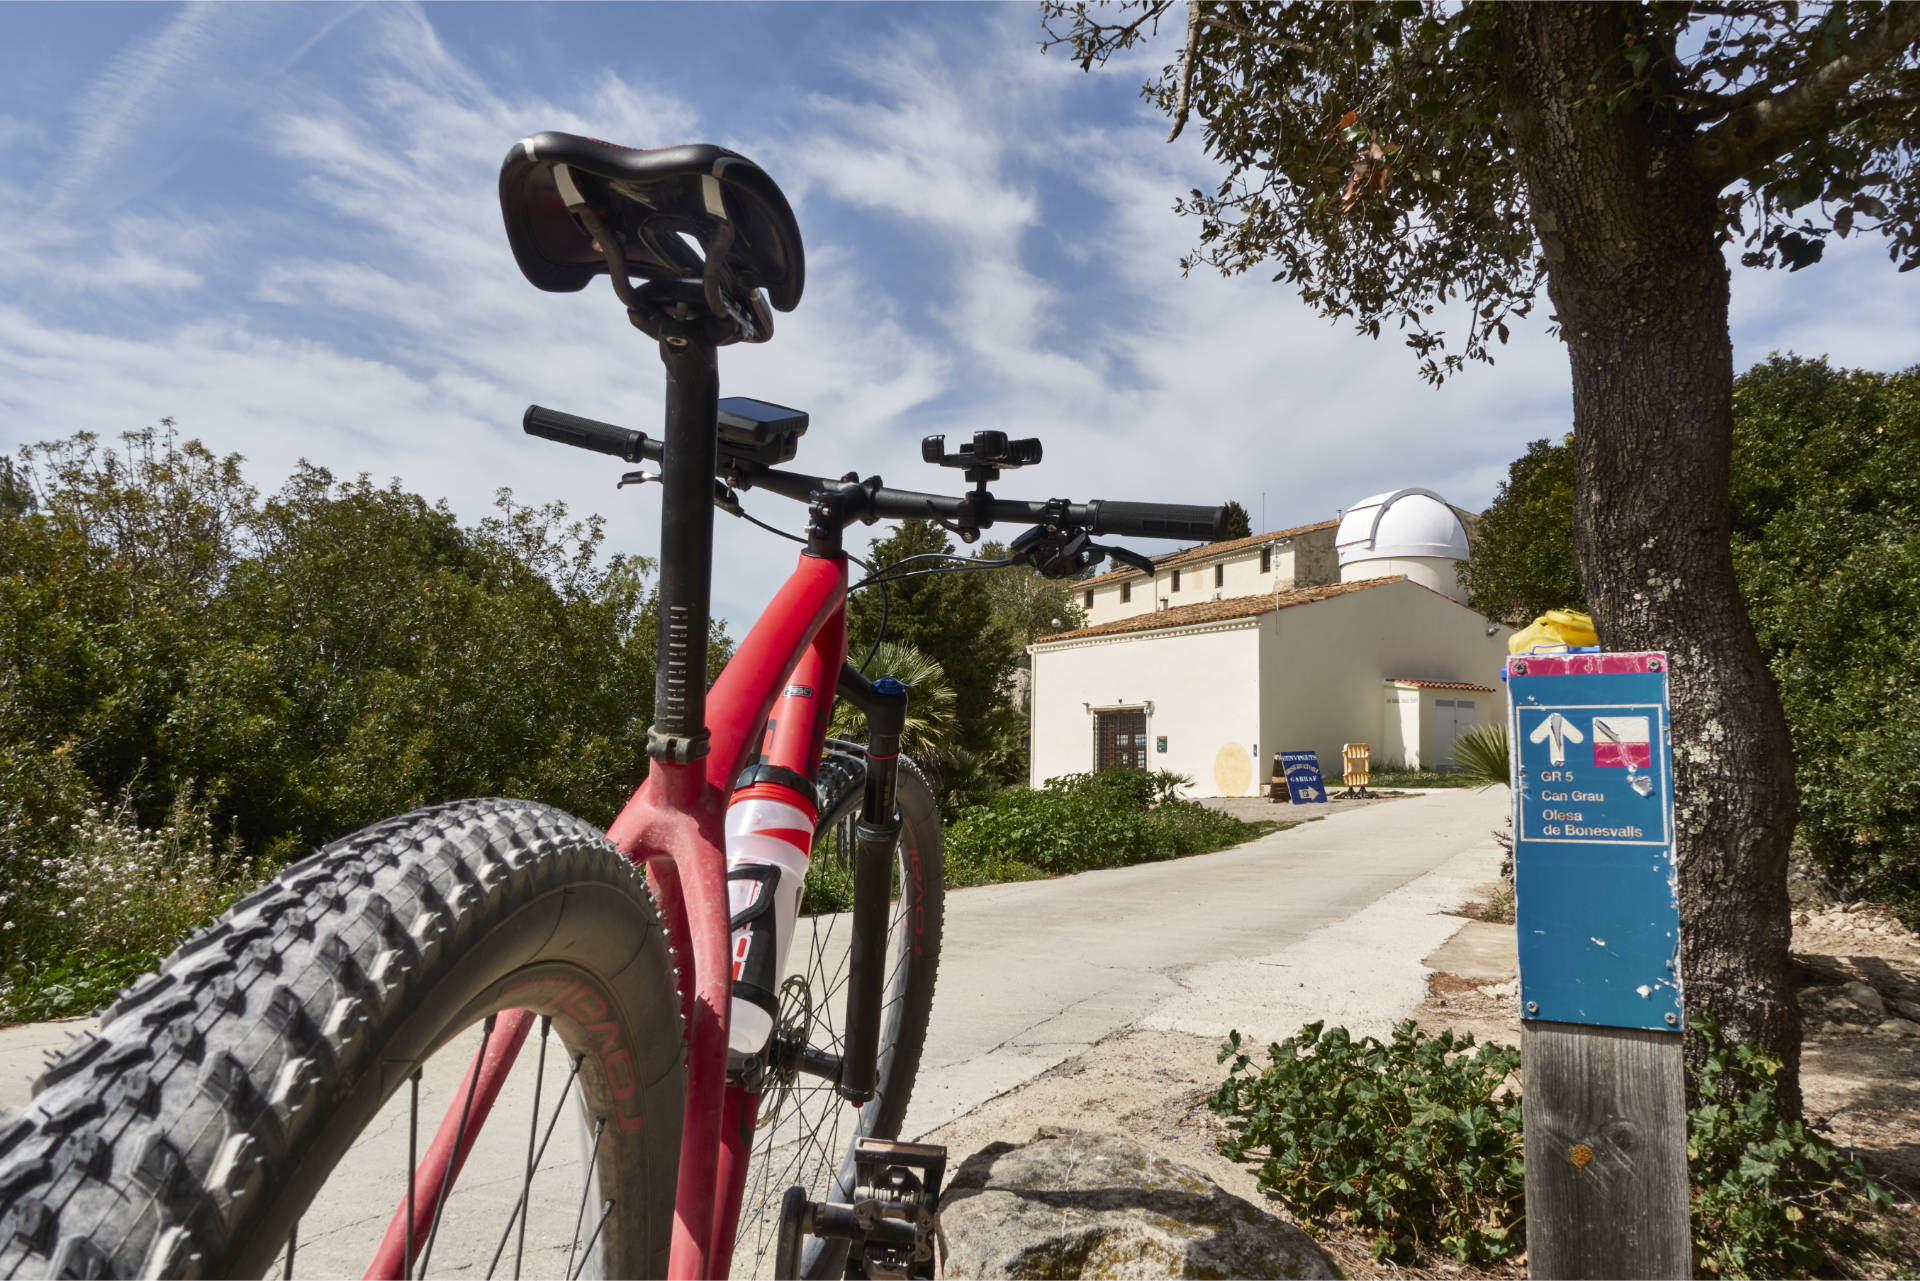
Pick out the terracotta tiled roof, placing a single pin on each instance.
(1402, 680)
(1206, 551)
(1220, 611)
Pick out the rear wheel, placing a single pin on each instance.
(288, 1060)
(805, 1133)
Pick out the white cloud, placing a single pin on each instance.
(374, 319)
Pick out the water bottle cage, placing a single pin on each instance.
(754, 980)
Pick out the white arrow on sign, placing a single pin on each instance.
(1557, 731)
(1308, 793)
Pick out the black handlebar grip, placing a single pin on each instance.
(585, 433)
(1157, 520)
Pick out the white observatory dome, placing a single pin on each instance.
(1409, 531)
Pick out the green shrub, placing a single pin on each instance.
(1419, 1144)
(1070, 824)
(104, 898)
(180, 656)
(1770, 1197)
(1416, 1142)
(1082, 821)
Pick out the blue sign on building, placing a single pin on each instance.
(1304, 784)
(1596, 900)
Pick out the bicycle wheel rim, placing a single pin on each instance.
(578, 1096)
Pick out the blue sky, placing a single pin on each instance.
(277, 224)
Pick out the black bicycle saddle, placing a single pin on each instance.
(554, 185)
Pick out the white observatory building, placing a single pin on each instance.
(1412, 532)
(1350, 630)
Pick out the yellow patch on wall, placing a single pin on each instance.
(1232, 769)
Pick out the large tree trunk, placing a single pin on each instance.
(1640, 290)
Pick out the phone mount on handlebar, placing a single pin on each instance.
(982, 461)
(989, 454)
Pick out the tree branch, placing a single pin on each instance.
(1258, 37)
(1734, 10)
(1758, 132)
(1185, 93)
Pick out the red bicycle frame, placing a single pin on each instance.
(673, 826)
(792, 656)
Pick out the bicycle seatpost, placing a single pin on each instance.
(679, 729)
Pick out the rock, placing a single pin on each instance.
(1908, 1009)
(1898, 1027)
(1073, 1203)
(1863, 995)
(1838, 1009)
(1800, 918)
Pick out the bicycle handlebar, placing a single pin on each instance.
(1101, 516)
(586, 433)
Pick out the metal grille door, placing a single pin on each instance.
(1120, 740)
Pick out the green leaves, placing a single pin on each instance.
(1415, 1142)
(1482, 755)
(1521, 561)
(1083, 821)
(1770, 1196)
(1297, 98)
(295, 667)
(1826, 539)
(968, 623)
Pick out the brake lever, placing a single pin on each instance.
(1056, 553)
(1125, 557)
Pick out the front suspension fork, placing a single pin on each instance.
(877, 833)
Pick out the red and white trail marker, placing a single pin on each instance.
(1624, 741)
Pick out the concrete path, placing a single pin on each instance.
(1032, 974)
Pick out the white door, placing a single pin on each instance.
(1452, 717)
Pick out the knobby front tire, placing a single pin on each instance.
(189, 1137)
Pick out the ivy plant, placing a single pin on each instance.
(1415, 1141)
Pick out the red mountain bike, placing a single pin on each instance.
(256, 1103)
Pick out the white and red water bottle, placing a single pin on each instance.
(769, 845)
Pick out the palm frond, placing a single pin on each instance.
(932, 722)
(1481, 753)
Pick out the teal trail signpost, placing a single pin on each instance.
(1598, 919)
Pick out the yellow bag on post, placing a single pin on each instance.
(1555, 629)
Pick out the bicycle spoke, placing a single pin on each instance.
(588, 1252)
(293, 1239)
(525, 1189)
(413, 1143)
(459, 1136)
(586, 1183)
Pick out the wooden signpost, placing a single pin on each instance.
(1599, 933)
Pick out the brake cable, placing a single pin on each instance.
(733, 508)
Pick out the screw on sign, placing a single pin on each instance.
(1598, 925)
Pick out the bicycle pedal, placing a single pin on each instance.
(892, 1226)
